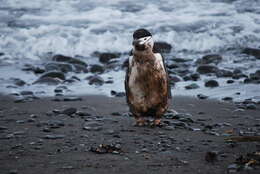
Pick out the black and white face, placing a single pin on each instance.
(143, 43)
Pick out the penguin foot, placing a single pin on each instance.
(157, 123)
(139, 122)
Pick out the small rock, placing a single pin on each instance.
(26, 93)
(106, 57)
(230, 81)
(3, 128)
(251, 106)
(181, 60)
(252, 51)
(97, 69)
(92, 126)
(48, 81)
(54, 74)
(212, 58)
(227, 98)
(95, 80)
(61, 67)
(202, 96)
(54, 137)
(224, 73)
(117, 94)
(19, 82)
(62, 58)
(211, 83)
(69, 111)
(83, 114)
(205, 69)
(192, 86)
(67, 99)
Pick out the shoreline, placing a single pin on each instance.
(95, 134)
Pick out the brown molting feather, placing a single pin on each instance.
(153, 84)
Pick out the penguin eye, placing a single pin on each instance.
(145, 39)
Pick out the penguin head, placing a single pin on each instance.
(142, 40)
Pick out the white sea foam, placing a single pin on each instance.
(78, 27)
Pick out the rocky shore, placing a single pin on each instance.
(95, 134)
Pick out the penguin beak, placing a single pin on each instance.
(139, 45)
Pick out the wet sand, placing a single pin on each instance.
(46, 136)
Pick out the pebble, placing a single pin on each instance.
(69, 111)
(72, 99)
(202, 96)
(97, 69)
(54, 137)
(251, 106)
(192, 86)
(211, 84)
(95, 80)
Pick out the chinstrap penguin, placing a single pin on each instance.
(146, 81)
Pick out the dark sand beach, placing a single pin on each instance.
(95, 134)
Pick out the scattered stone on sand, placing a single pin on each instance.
(69, 111)
(98, 69)
(83, 114)
(251, 106)
(202, 96)
(68, 99)
(92, 126)
(211, 58)
(3, 128)
(54, 137)
(103, 148)
(252, 51)
(162, 47)
(192, 86)
(211, 84)
(206, 69)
